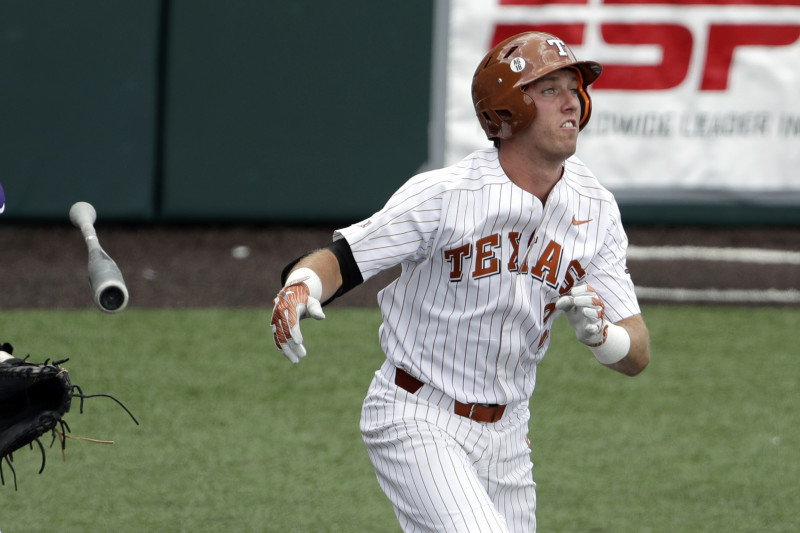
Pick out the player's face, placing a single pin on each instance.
(553, 133)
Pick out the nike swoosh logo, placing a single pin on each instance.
(579, 222)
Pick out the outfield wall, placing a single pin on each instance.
(199, 110)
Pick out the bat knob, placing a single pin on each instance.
(82, 213)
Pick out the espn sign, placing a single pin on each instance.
(676, 43)
(695, 94)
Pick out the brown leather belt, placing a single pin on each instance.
(475, 411)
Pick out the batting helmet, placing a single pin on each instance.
(498, 86)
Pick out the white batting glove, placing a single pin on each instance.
(298, 299)
(585, 312)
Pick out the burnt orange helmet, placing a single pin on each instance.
(499, 83)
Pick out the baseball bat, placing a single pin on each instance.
(105, 280)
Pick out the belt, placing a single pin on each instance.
(480, 412)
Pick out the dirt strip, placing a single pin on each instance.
(44, 266)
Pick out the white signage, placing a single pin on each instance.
(696, 97)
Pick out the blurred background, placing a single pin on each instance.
(276, 122)
(201, 110)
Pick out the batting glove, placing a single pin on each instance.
(585, 312)
(297, 300)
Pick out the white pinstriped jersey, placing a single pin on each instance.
(483, 263)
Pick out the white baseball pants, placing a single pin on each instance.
(446, 473)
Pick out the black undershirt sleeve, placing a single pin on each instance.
(351, 275)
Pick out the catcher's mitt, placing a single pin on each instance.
(33, 400)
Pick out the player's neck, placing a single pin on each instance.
(537, 177)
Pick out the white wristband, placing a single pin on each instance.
(615, 347)
(310, 278)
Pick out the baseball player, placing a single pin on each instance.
(492, 250)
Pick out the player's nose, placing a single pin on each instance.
(570, 101)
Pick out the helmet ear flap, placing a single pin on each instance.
(584, 98)
(586, 108)
(526, 97)
(528, 100)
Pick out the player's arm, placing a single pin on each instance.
(309, 282)
(322, 264)
(638, 356)
(623, 346)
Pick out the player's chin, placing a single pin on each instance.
(567, 148)
(571, 141)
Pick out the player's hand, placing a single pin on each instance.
(586, 314)
(293, 304)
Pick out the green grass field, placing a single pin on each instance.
(234, 438)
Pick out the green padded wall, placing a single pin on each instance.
(293, 111)
(78, 121)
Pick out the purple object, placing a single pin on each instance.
(2, 200)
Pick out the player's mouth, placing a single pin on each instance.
(568, 124)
